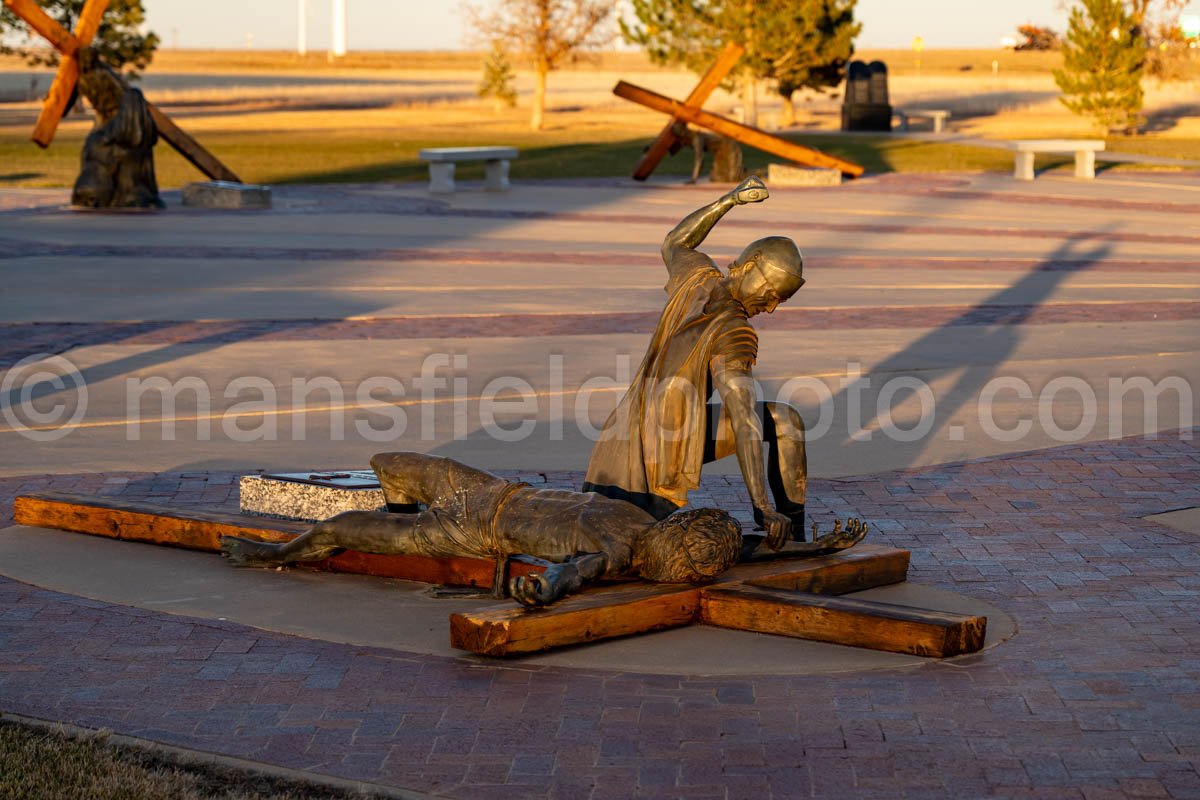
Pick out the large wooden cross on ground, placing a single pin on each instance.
(690, 111)
(62, 91)
(794, 596)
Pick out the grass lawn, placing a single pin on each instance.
(41, 764)
(311, 139)
(595, 149)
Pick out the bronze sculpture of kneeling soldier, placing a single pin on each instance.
(654, 444)
(451, 509)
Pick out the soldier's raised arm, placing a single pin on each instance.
(679, 248)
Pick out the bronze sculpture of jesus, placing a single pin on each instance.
(450, 509)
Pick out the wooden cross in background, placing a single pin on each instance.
(62, 91)
(668, 141)
(690, 111)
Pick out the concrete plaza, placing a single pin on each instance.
(980, 363)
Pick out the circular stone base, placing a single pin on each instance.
(401, 615)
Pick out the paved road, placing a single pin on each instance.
(945, 317)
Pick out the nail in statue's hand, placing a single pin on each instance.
(751, 190)
(839, 539)
(533, 589)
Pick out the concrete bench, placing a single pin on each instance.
(1084, 149)
(937, 115)
(442, 159)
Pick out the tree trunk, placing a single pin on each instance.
(749, 99)
(788, 116)
(539, 95)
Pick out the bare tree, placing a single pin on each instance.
(1143, 10)
(549, 33)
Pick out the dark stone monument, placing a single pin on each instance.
(865, 106)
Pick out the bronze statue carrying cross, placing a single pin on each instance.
(59, 98)
(690, 110)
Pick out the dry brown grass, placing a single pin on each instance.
(900, 62)
(966, 63)
(42, 764)
(219, 61)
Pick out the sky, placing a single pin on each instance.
(439, 24)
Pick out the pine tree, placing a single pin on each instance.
(497, 82)
(119, 40)
(797, 43)
(1103, 57)
(812, 52)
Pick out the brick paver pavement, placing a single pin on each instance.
(1096, 697)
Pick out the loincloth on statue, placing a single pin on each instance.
(464, 524)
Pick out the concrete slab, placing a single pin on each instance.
(404, 616)
(226, 195)
(1185, 519)
(791, 175)
(294, 434)
(884, 258)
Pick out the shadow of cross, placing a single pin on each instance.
(62, 91)
(796, 597)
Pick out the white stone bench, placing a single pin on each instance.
(442, 159)
(1084, 149)
(937, 115)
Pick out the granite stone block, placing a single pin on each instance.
(283, 498)
(224, 194)
(789, 175)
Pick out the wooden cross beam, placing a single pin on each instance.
(745, 134)
(63, 88)
(195, 529)
(668, 141)
(58, 99)
(797, 597)
(788, 597)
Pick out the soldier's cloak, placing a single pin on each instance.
(651, 449)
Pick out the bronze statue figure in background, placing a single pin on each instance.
(117, 165)
(472, 513)
(727, 163)
(653, 445)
